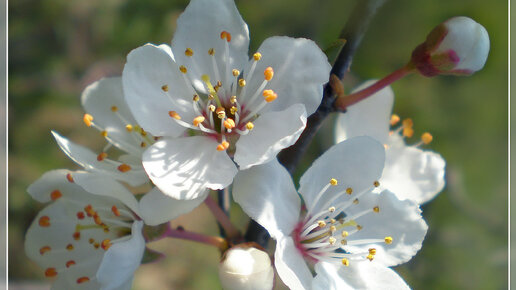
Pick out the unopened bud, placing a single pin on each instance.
(245, 268)
(457, 46)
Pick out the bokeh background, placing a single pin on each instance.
(57, 47)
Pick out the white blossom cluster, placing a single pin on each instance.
(204, 114)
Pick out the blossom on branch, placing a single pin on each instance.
(410, 172)
(351, 231)
(90, 235)
(212, 105)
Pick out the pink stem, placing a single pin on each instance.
(222, 218)
(195, 237)
(343, 102)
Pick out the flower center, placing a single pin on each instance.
(327, 230)
(406, 130)
(228, 108)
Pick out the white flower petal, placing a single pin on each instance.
(272, 132)
(355, 163)
(157, 208)
(267, 194)
(104, 186)
(400, 220)
(300, 70)
(41, 190)
(369, 117)
(359, 275)
(412, 173)
(121, 260)
(291, 266)
(147, 70)
(87, 159)
(98, 99)
(184, 167)
(199, 28)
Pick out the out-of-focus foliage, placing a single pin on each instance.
(57, 47)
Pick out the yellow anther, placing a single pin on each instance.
(223, 146)
(174, 114)
(372, 251)
(205, 78)
(331, 209)
(233, 99)
(124, 167)
(88, 120)
(241, 82)
(211, 108)
(408, 132)
(114, 108)
(211, 51)
(427, 138)
(268, 73)
(349, 190)
(143, 145)
(103, 133)
(233, 110)
(183, 69)
(229, 123)
(344, 234)
(269, 95)
(332, 240)
(388, 240)
(198, 120)
(376, 209)
(333, 181)
(321, 224)
(142, 132)
(225, 35)
(333, 221)
(356, 201)
(257, 56)
(394, 119)
(333, 229)
(195, 98)
(188, 52)
(407, 123)
(370, 257)
(359, 227)
(249, 126)
(236, 72)
(211, 97)
(343, 242)
(129, 127)
(164, 88)
(101, 156)
(345, 262)
(376, 183)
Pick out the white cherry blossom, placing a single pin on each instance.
(89, 236)
(410, 172)
(212, 105)
(350, 231)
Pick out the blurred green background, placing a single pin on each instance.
(57, 47)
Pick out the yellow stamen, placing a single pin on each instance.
(257, 56)
(376, 183)
(241, 82)
(164, 88)
(104, 133)
(198, 120)
(233, 110)
(212, 108)
(345, 262)
(268, 73)
(223, 146)
(269, 95)
(236, 72)
(225, 35)
(174, 115)
(408, 132)
(183, 69)
(394, 119)
(102, 156)
(88, 120)
(114, 108)
(332, 240)
(388, 240)
(249, 126)
(229, 124)
(124, 167)
(370, 257)
(349, 190)
(372, 251)
(188, 52)
(427, 138)
(321, 224)
(195, 98)
(376, 209)
(344, 234)
(333, 181)
(129, 128)
(407, 123)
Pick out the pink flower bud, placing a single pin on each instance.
(246, 268)
(457, 46)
